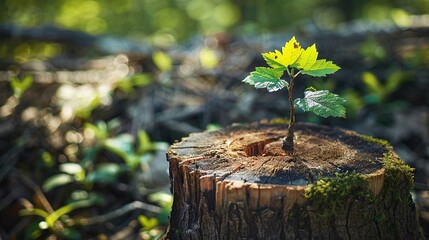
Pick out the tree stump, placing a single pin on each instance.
(237, 183)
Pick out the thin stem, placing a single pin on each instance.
(288, 71)
(294, 76)
(288, 144)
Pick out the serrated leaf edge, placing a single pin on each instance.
(343, 109)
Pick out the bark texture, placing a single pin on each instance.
(237, 183)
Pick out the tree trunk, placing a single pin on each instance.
(237, 183)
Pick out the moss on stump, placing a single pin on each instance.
(237, 183)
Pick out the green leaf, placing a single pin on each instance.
(89, 154)
(106, 173)
(322, 103)
(56, 181)
(128, 84)
(74, 169)
(162, 61)
(47, 158)
(145, 144)
(320, 68)
(19, 86)
(121, 145)
(164, 200)
(147, 223)
(71, 168)
(100, 130)
(394, 81)
(268, 78)
(208, 58)
(53, 217)
(372, 83)
(33, 211)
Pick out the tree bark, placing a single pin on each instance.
(237, 183)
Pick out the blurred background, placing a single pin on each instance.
(94, 92)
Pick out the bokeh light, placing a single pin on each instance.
(166, 22)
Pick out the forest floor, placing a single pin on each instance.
(76, 159)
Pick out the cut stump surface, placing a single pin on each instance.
(238, 183)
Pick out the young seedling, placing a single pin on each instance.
(293, 59)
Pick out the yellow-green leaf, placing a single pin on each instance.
(274, 59)
(307, 58)
(147, 223)
(208, 58)
(320, 68)
(145, 144)
(372, 83)
(162, 61)
(287, 57)
(292, 51)
(19, 86)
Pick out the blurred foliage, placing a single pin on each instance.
(90, 162)
(372, 52)
(19, 86)
(162, 61)
(164, 22)
(88, 173)
(24, 51)
(77, 170)
(208, 58)
(128, 84)
(377, 91)
(51, 220)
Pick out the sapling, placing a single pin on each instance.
(294, 60)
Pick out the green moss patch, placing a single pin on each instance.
(378, 141)
(279, 121)
(397, 173)
(328, 195)
(331, 194)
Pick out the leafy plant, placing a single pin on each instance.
(294, 60)
(19, 86)
(137, 153)
(123, 145)
(128, 84)
(379, 92)
(56, 220)
(162, 61)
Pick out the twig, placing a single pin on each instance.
(42, 198)
(119, 212)
(8, 160)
